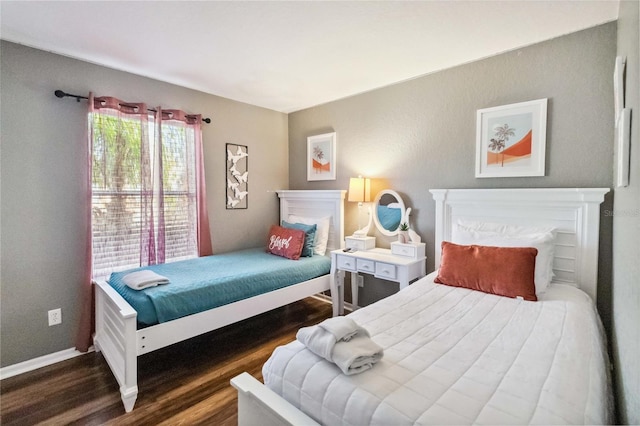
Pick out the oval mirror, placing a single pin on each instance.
(388, 212)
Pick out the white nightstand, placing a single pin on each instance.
(401, 264)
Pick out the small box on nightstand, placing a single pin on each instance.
(414, 250)
(360, 243)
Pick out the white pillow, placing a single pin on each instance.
(543, 241)
(322, 230)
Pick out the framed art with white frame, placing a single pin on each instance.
(321, 157)
(511, 140)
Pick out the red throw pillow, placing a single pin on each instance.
(285, 242)
(505, 271)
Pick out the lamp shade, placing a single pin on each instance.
(359, 189)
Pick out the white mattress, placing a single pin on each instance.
(456, 356)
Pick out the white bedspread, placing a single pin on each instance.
(456, 356)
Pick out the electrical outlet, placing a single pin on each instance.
(55, 316)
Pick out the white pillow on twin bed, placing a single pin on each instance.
(322, 230)
(501, 235)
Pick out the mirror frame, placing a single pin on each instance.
(376, 202)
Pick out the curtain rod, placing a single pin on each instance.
(61, 94)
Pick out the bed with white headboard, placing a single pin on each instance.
(458, 355)
(574, 212)
(121, 340)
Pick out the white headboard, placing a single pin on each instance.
(574, 212)
(321, 203)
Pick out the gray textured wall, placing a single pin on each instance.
(420, 134)
(411, 137)
(625, 337)
(42, 183)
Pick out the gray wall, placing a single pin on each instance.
(420, 134)
(625, 336)
(42, 181)
(410, 137)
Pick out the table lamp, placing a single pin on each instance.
(360, 192)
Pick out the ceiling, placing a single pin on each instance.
(291, 55)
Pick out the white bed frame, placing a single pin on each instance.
(574, 212)
(120, 342)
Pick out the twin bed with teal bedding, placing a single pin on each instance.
(209, 293)
(204, 283)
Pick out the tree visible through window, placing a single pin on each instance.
(144, 208)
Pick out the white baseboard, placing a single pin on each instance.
(43, 361)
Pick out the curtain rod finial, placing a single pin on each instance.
(60, 93)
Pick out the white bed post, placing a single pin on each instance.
(589, 223)
(116, 338)
(439, 197)
(129, 389)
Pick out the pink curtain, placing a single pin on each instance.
(194, 124)
(87, 300)
(144, 172)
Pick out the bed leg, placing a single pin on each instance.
(129, 397)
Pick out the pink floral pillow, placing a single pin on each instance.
(285, 242)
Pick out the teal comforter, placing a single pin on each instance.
(204, 283)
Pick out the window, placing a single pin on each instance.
(144, 207)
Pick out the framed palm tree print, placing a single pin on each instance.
(321, 157)
(511, 140)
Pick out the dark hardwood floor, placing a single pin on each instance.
(186, 383)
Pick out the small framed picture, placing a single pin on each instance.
(321, 157)
(511, 140)
(237, 176)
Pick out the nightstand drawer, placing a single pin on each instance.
(385, 270)
(366, 265)
(413, 250)
(347, 263)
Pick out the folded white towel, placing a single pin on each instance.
(317, 340)
(341, 341)
(143, 279)
(321, 338)
(357, 355)
(343, 328)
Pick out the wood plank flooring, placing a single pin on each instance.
(186, 383)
